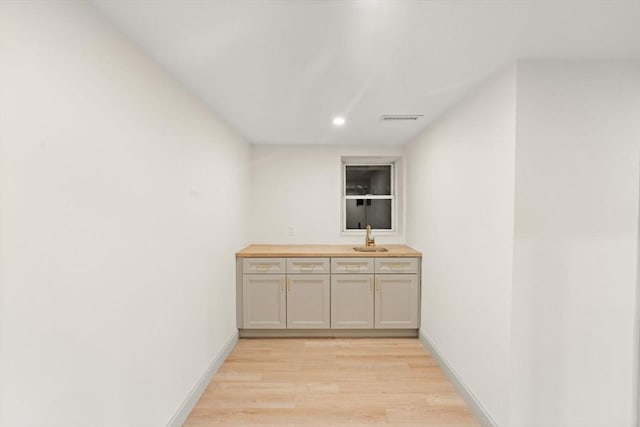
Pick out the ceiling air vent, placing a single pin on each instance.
(401, 117)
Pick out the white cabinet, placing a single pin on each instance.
(352, 301)
(396, 301)
(392, 303)
(347, 293)
(308, 301)
(264, 301)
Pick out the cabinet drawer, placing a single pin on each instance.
(308, 265)
(396, 265)
(263, 266)
(351, 265)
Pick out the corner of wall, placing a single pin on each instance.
(476, 406)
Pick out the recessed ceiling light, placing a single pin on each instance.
(339, 121)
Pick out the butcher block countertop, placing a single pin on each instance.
(277, 251)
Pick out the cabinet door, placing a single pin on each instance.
(396, 301)
(264, 301)
(352, 301)
(308, 303)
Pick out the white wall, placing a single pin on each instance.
(460, 184)
(576, 206)
(122, 202)
(552, 341)
(301, 186)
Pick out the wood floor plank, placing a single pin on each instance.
(330, 382)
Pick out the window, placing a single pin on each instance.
(369, 194)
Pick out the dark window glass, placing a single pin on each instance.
(374, 180)
(375, 212)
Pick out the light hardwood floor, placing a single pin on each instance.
(330, 382)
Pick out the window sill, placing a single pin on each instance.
(350, 233)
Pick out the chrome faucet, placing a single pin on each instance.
(368, 240)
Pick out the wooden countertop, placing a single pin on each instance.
(277, 251)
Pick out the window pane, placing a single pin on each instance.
(374, 179)
(376, 213)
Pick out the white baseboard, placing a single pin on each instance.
(190, 402)
(481, 413)
(328, 333)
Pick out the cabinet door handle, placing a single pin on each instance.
(378, 285)
(282, 285)
(289, 285)
(371, 282)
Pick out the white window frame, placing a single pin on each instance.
(371, 161)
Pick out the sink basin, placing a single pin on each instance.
(370, 249)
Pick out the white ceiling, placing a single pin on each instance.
(279, 71)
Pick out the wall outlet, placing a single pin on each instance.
(291, 231)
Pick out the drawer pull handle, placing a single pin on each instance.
(307, 267)
(397, 267)
(353, 267)
(263, 267)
